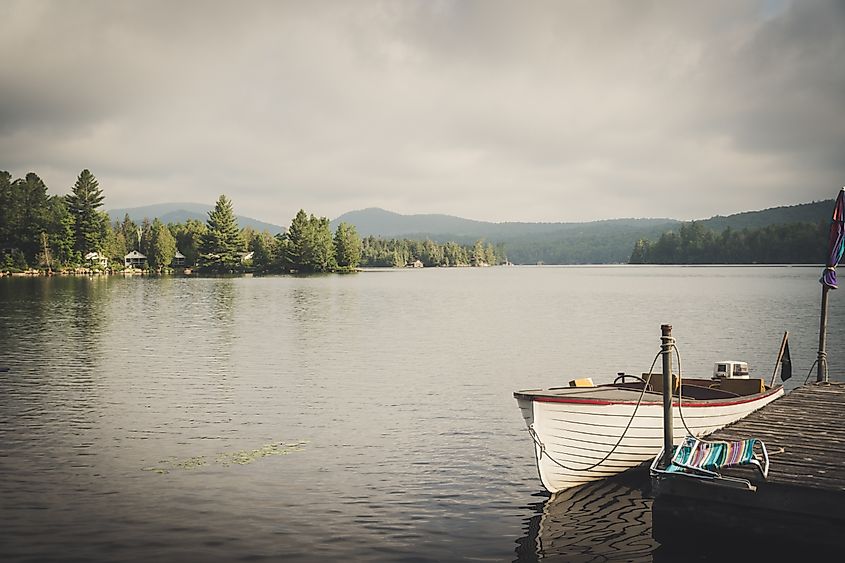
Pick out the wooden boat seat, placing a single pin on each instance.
(742, 387)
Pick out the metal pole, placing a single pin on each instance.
(666, 343)
(821, 374)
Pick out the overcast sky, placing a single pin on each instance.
(500, 111)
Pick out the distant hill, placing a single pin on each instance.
(597, 242)
(181, 212)
(378, 222)
(801, 213)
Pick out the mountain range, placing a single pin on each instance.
(596, 242)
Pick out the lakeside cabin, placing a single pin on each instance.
(135, 260)
(414, 264)
(178, 260)
(97, 259)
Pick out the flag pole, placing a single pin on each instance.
(821, 374)
(780, 356)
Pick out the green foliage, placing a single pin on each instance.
(89, 224)
(347, 247)
(221, 243)
(162, 248)
(189, 236)
(24, 216)
(130, 233)
(794, 243)
(114, 247)
(386, 253)
(309, 245)
(35, 229)
(264, 248)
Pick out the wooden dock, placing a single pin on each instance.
(802, 502)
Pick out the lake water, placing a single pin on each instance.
(363, 417)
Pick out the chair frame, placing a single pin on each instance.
(683, 453)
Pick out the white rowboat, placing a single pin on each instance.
(577, 430)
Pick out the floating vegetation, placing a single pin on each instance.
(241, 457)
(244, 457)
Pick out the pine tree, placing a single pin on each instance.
(322, 257)
(263, 247)
(309, 246)
(162, 246)
(299, 238)
(83, 203)
(33, 215)
(222, 242)
(61, 234)
(189, 236)
(347, 247)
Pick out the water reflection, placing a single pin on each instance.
(607, 520)
(401, 384)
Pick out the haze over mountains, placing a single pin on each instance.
(597, 242)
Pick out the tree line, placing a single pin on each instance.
(792, 243)
(51, 232)
(378, 252)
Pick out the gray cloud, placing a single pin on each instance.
(490, 110)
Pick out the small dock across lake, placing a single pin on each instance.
(803, 499)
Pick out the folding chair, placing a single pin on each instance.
(702, 459)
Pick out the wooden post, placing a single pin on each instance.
(666, 343)
(821, 374)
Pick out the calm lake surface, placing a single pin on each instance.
(364, 417)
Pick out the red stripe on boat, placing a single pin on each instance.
(701, 403)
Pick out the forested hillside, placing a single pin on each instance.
(780, 234)
(693, 243)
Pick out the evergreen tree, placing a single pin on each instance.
(130, 234)
(309, 246)
(263, 248)
(114, 248)
(347, 247)
(33, 213)
(640, 254)
(222, 242)
(61, 235)
(299, 239)
(83, 203)
(6, 208)
(490, 254)
(478, 254)
(162, 246)
(189, 237)
(146, 230)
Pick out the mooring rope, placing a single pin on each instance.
(809, 373)
(542, 447)
(670, 342)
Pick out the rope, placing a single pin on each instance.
(542, 447)
(809, 373)
(671, 342)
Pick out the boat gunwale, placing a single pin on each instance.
(720, 402)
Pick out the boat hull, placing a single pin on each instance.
(571, 434)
